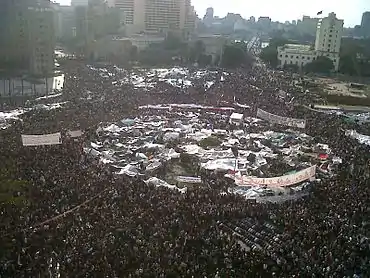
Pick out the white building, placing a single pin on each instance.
(328, 39)
(296, 54)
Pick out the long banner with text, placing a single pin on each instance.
(275, 119)
(282, 181)
(42, 140)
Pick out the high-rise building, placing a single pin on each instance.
(209, 13)
(156, 15)
(329, 34)
(27, 36)
(365, 24)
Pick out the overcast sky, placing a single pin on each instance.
(282, 10)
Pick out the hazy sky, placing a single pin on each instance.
(282, 10)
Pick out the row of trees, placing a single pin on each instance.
(175, 51)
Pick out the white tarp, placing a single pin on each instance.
(188, 179)
(282, 181)
(300, 123)
(158, 182)
(41, 140)
(363, 139)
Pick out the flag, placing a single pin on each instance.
(320, 12)
(323, 156)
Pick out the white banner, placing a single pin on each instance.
(282, 181)
(188, 179)
(74, 133)
(41, 140)
(281, 120)
(363, 139)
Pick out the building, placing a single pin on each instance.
(111, 47)
(94, 22)
(264, 22)
(64, 22)
(76, 3)
(213, 45)
(159, 16)
(28, 36)
(208, 17)
(328, 40)
(308, 25)
(365, 24)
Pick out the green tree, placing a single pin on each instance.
(321, 65)
(235, 56)
(269, 53)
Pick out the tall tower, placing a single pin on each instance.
(328, 38)
(365, 24)
(329, 34)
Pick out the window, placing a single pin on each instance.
(334, 60)
(302, 57)
(330, 35)
(291, 56)
(286, 56)
(329, 40)
(329, 49)
(281, 55)
(297, 57)
(291, 62)
(331, 31)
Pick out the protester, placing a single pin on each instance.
(76, 219)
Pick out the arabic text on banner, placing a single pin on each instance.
(41, 140)
(282, 181)
(281, 120)
(188, 179)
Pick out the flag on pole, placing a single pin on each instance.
(319, 13)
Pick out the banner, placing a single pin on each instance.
(282, 181)
(41, 140)
(275, 119)
(363, 139)
(75, 133)
(188, 179)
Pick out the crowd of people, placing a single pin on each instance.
(72, 218)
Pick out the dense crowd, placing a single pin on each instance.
(76, 219)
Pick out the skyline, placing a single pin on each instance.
(283, 10)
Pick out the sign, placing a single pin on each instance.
(42, 140)
(75, 133)
(275, 119)
(189, 179)
(282, 181)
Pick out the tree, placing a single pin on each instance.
(321, 65)
(133, 53)
(234, 56)
(269, 54)
(172, 42)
